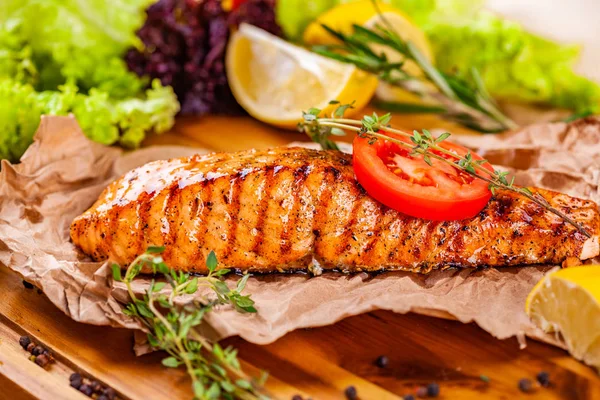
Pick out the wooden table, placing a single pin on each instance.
(315, 363)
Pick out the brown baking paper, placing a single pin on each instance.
(63, 173)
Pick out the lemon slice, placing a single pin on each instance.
(275, 80)
(568, 301)
(363, 12)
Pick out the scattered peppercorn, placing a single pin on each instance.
(30, 347)
(382, 361)
(297, 397)
(351, 393)
(24, 342)
(27, 285)
(96, 387)
(543, 378)
(86, 389)
(42, 360)
(525, 385)
(409, 397)
(93, 388)
(37, 350)
(433, 389)
(422, 392)
(110, 393)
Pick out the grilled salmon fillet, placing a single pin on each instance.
(288, 209)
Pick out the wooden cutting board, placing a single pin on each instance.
(316, 363)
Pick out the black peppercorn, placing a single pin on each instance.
(76, 380)
(86, 389)
(382, 361)
(543, 378)
(110, 393)
(351, 393)
(96, 387)
(525, 385)
(102, 397)
(30, 347)
(42, 360)
(24, 342)
(433, 390)
(37, 350)
(27, 285)
(297, 397)
(409, 397)
(422, 392)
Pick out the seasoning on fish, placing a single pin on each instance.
(288, 209)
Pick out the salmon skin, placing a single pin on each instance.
(289, 209)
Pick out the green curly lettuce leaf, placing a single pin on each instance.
(76, 40)
(19, 117)
(101, 118)
(515, 64)
(70, 61)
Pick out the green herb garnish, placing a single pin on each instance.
(374, 127)
(467, 103)
(215, 372)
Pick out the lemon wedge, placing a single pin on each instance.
(274, 81)
(364, 13)
(568, 301)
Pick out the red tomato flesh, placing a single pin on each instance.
(408, 184)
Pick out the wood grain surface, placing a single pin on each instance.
(314, 363)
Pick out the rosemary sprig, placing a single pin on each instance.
(215, 372)
(422, 144)
(467, 103)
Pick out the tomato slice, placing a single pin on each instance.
(408, 184)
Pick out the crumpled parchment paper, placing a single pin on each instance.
(63, 173)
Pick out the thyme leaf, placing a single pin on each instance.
(465, 102)
(374, 127)
(215, 371)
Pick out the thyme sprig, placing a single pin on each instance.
(215, 371)
(423, 144)
(467, 103)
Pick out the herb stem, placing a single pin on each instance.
(465, 102)
(215, 372)
(319, 129)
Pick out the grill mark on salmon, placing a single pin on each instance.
(202, 199)
(300, 176)
(344, 239)
(264, 202)
(143, 213)
(323, 199)
(195, 205)
(368, 250)
(170, 215)
(233, 199)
